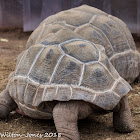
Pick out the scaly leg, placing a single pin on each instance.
(7, 104)
(122, 120)
(65, 116)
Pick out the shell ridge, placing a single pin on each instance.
(60, 85)
(115, 83)
(93, 18)
(54, 71)
(17, 91)
(94, 98)
(71, 93)
(82, 73)
(74, 58)
(37, 56)
(70, 40)
(25, 91)
(95, 95)
(40, 33)
(20, 61)
(59, 46)
(35, 95)
(104, 35)
(44, 92)
(121, 53)
(99, 51)
(92, 62)
(121, 30)
(116, 94)
(56, 92)
(107, 69)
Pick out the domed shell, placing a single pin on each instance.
(71, 69)
(100, 28)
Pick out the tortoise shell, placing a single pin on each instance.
(100, 28)
(65, 67)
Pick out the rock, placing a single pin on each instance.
(4, 40)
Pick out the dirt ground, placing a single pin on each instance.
(97, 128)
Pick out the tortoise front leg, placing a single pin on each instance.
(7, 104)
(122, 120)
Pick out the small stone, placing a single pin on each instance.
(13, 112)
(108, 139)
(20, 46)
(4, 40)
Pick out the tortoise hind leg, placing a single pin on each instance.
(66, 115)
(122, 120)
(7, 104)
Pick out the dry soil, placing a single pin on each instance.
(97, 128)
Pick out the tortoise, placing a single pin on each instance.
(64, 76)
(99, 28)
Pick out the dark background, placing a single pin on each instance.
(27, 14)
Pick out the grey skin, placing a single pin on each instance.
(66, 115)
